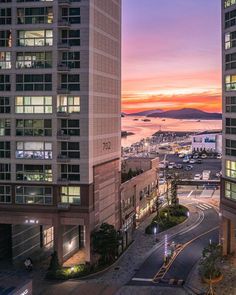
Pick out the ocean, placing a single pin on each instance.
(143, 129)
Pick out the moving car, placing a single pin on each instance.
(186, 160)
(192, 161)
(171, 165)
(189, 167)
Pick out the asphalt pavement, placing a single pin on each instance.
(198, 237)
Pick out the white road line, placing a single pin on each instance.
(188, 196)
(141, 280)
(206, 205)
(201, 207)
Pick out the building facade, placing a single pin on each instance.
(139, 194)
(207, 141)
(228, 188)
(60, 94)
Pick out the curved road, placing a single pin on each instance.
(195, 238)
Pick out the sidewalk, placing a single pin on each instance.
(226, 287)
(140, 250)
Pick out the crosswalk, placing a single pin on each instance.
(204, 207)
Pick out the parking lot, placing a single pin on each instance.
(214, 165)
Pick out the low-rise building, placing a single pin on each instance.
(209, 141)
(138, 194)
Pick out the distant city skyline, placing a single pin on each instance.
(171, 55)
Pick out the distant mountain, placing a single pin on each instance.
(145, 113)
(123, 115)
(187, 113)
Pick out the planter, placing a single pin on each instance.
(213, 281)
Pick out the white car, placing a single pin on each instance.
(219, 156)
(192, 161)
(197, 177)
(162, 181)
(196, 156)
(181, 155)
(203, 156)
(185, 160)
(171, 165)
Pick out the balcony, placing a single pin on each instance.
(65, 3)
(62, 114)
(63, 206)
(63, 91)
(62, 136)
(63, 159)
(63, 24)
(63, 46)
(63, 180)
(63, 68)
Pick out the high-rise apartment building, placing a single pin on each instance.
(59, 124)
(228, 189)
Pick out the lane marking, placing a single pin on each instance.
(180, 251)
(141, 280)
(188, 196)
(207, 205)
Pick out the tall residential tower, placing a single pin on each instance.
(228, 189)
(60, 128)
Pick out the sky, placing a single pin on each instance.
(171, 55)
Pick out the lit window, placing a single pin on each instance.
(35, 38)
(68, 104)
(34, 150)
(34, 195)
(33, 104)
(70, 195)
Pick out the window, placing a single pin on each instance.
(34, 60)
(34, 0)
(5, 60)
(70, 195)
(230, 82)
(70, 127)
(35, 38)
(5, 107)
(5, 194)
(70, 150)
(228, 3)
(5, 172)
(33, 127)
(5, 16)
(230, 147)
(33, 104)
(230, 126)
(230, 61)
(71, 15)
(70, 37)
(34, 173)
(48, 237)
(39, 15)
(5, 38)
(230, 40)
(5, 127)
(70, 172)
(34, 150)
(5, 1)
(68, 104)
(70, 82)
(5, 149)
(71, 59)
(5, 84)
(230, 169)
(34, 82)
(230, 190)
(230, 105)
(230, 19)
(34, 195)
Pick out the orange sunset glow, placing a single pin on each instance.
(168, 66)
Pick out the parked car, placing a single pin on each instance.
(192, 161)
(199, 161)
(189, 167)
(171, 165)
(181, 155)
(186, 160)
(206, 174)
(219, 156)
(195, 156)
(179, 166)
(203, 156)
(197, 176)
(162, 181)
(163, 164)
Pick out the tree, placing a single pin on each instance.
(105, 242)
(209, 266)
(54, 263)
(174, 186)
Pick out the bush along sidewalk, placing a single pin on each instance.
(106, 244)
(166, 218)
